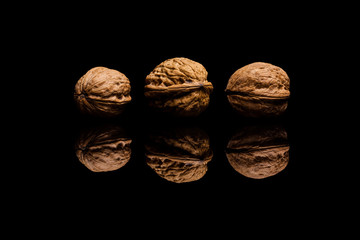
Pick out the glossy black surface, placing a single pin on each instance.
(220, 122)
(135, 194)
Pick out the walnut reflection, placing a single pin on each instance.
(103, 148)
(259, 151)
(179, 155)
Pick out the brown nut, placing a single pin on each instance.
(259, 89)
(102, 92)
(104, 148)
(179, 155)
(259, 151)
(178, 86)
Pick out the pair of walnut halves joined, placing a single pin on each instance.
(179, 86)
(259, 90)
(102, 92)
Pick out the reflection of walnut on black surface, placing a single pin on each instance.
(104, 148)
(179, 155)
(259, 151)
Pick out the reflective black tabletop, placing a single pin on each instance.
(213, 168)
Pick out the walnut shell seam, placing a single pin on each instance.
(246, 94)
(192, 160)
(207, 86)
(87, 97)
(239, 150)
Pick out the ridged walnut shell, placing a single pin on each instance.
(102, 92)
(178, 86)
(104, 148)
(259, 151)
(179, 155)
(259, 89)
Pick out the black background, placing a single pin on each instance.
(134, 42)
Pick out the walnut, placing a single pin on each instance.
(102, 92)
(259, 89)
(104, 148)
(178, 86)
(179, 155)
(259, 151)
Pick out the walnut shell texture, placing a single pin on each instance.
(259, 151)
(103, 149)
(180, 155)
(178, 86)
(259, 89)
(102, 92)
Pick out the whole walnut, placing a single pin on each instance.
(103, 148)
(259, 151)
(259, 89)
(102, 92)
(179, 155)
(178, 86)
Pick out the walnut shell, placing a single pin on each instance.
(180, 155)
(259, 89)
(259, 151)
(178, 86)
(103, 149)
(102, 92)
